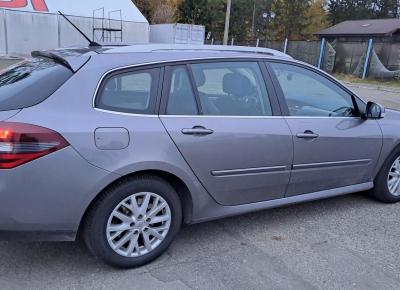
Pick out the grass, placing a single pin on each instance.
(379, 83)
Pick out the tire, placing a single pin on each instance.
(381, 191)
(103, 217)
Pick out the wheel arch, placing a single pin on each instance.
(385, 155)
(176, 182)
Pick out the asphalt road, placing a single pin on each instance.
(349, 242)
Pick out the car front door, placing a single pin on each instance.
(224, 118)
(333, 146)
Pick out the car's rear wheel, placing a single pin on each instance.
(387, 183)
(133, 222)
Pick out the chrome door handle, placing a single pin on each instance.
(198, 130)
(307, 135)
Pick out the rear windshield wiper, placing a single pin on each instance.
(50, 55)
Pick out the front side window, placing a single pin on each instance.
(231, 89)
(130, 92)
(309, 94)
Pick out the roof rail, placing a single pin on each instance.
(197, 48)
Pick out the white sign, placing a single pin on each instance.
(77, 7)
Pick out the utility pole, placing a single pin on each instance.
(254, 20)
(227, 22)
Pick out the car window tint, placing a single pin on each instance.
(30, 82)
(181, 100)
(131, 92)
(231, 89)
(309, 94)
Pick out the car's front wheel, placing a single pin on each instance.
(133, 222)
(387, 183)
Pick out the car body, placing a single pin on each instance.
(275, 151)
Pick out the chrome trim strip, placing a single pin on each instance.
(312, 117)
(221, 117)
(249, 171)
(331, 164)
(216, 117)
(225, 58)
(254, 117)
(125, 114)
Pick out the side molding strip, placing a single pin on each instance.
(233, 172)
(332, 164)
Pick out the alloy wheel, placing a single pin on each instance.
(394, 178)
(138, 224)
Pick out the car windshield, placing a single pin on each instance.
(30, 82)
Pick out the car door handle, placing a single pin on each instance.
(198, 130)
(307, 135)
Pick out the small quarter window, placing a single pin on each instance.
(130, 92)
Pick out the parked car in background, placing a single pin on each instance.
(123, 145)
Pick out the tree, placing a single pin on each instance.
(241, 20)
(159, 11)
(216, 18)
(290, 20)
(388, 9)
(194, 11)
(144, 6)
(317, 18)
(342, 10)
(163, 13)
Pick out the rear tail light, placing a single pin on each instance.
(21, 143)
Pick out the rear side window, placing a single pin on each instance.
(130, 92)
(30, 83)
(231, 89)
(181, 99)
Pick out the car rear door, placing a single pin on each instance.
(225, 120)
(333, 146)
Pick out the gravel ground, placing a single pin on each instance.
(349, 242)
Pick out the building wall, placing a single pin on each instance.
(23, 32)
(177, 33)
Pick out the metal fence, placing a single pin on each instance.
(347, 57)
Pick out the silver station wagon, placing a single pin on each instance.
(120, 146)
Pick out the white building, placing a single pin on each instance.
(27, 25)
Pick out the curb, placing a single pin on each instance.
(379, 88)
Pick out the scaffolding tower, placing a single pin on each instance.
(107, 30)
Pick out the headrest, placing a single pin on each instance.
(111, 85)
(237, 84)
(199, 77)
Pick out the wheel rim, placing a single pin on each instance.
(139, 224)
(394, 178)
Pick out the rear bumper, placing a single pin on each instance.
(57, 236)
(47, 198)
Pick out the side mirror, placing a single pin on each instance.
(374, 111)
